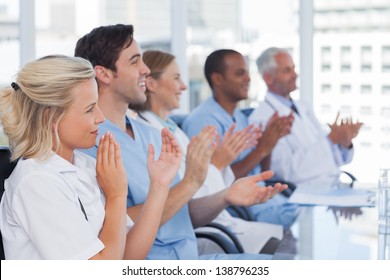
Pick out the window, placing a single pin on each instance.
(385, 146)
(345, 68)
(345, 89)
(326, 88)
(384, 129)
(326, 55)
(326, 68)
(366, 68)
(9, 47)
(366, 144)
(366, 54)
(352, 44)
(366, 89)
(9, 40)
(366, 110)
(345, 110)
(366, 128)
(385, 112)
(386, 59)
(345, 59)
(386, 54)
(326, 109)
(195, 90)
(386, 89)
(326, 59)
(345, 54)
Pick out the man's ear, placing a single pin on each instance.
(103, 75)
(216, 78)
(267, 77)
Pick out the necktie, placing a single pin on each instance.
(294, 108)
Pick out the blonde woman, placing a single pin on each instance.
(60, 203)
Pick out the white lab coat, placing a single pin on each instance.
(306, 153)
(41, 216)
(252, 235)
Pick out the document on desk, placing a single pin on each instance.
(342, 197)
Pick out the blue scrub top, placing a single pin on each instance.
(176, 238)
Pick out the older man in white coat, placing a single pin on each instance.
(308, 152)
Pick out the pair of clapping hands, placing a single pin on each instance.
(112, 176)
(208, 147)
(234, 142)
(344, 130)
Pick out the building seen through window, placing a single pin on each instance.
(356, 34)
(351, 47)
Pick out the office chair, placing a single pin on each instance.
(240, 212)
(6, 168)
(178, 119)
(349, 177)
(225, 239)
(287, 192)
(232, 237)
(229, 242)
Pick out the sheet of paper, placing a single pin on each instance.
(344, 197)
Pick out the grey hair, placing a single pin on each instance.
(266, 62)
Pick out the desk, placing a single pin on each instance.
(322, 238)
(319, 236)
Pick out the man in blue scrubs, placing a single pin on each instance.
(121, 73)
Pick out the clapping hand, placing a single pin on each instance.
(342, 132)
(233, 143)
(199, 153)
(110, 172)
(246, 192)
(277, 128)
(164, 170)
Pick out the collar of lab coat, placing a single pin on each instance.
(277, 105)
(151, 119)
(148, 118)
(61, 165)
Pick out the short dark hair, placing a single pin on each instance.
(103, 45)
(215, 63)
